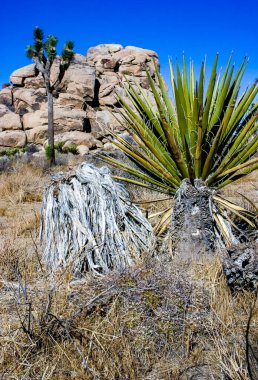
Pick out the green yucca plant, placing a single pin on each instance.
(206, 131)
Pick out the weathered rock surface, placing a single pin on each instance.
(16, 139)
(9, 121)
(37, 135)
(18, 76)
(83, 102)
(77, 138)
(80, 79)
(6, 98)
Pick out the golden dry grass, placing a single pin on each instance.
(160, 320)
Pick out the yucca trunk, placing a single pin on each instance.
(193, 233)
(51, 141)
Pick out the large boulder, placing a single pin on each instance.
(16, 139)
(34, 119)
(68, 119)
(9, 121)
(113, 63)
(70, 100)
(77, 138)
(28, 100)
(65, 119)
(79, 79)
(6, 97)
(37, 135)
(18, 76)
(34, 82)
(94, 53)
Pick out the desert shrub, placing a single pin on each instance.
(157, 320)
(71, 148)
(11, 152)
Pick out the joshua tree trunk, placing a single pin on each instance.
(51, 141)
(193, 233)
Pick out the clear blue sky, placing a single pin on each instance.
(196, 27)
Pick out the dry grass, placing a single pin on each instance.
(160, 320)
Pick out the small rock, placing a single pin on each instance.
(82, 150)
(109, 146)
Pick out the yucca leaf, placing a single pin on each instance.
(236, 168)
(147, 162)
(241, 109)
(164, 223)
(181, 108)
(245, 153)
(168, 130)
(192, 84)
(148, 137)
(172, 76)
(237, 210)
(141, 184)
(250, 201)
(237, 176)
(209, 94)
(137, 173)
(142, 104)
(214, 98)
(220, 100)
(201, 86)
(186, 87)
(167, 101)
(240, 139)
(220, 221)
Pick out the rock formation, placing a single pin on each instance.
(83, 103)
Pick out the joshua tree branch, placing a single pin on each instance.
(39, 65)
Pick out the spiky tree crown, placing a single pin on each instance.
(44, 54)
(47, 50)
(50, 47)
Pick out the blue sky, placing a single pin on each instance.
(196, 27)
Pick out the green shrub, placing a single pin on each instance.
(48, 151)
(59, 146)
(71, 148)
(10, 152)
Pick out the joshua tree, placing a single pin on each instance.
(191, 146)
(44, 54)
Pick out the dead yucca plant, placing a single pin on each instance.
(191, 146)
(90, 223)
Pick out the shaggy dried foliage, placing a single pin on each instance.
(159, 320)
